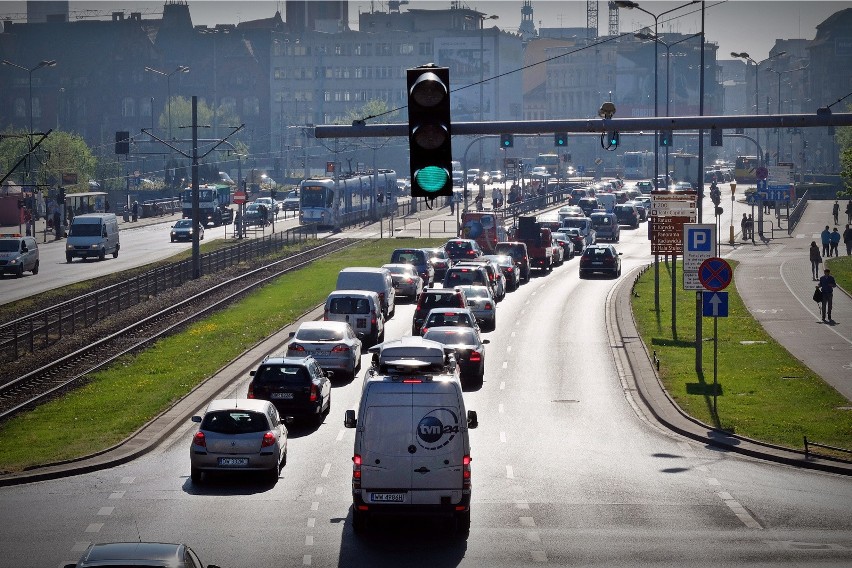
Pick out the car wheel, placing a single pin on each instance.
(283, 460)
(462, 524)
(195, 475)
(102, 254)
(273, 473)
(35, 268)
(20, 272)
(173, 239)
(67, 258)
(359, 521)
(582, 275)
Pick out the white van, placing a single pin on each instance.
(361, 309)
(412, 449)
(606, 201)
(18, 254)
(377, 280)
(93, 234)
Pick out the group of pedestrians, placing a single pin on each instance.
(830, 240)
(835, 212)
(747, 227)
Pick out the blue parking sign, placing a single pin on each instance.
(699, 240)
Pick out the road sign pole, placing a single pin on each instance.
(715, 361)
(674, 297)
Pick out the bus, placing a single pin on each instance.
(213, 202)
(638, 165)
(744, 169)
(549, 161)
(323, 202)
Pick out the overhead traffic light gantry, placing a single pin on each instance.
(429, 131)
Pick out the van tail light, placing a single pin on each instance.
(250, 390)
(356, 471)
(466, 472)
(341, 349)
(295, 347)
(199, 440)
(373, 318)
(268, 440)
(314, 393)
(325, 315)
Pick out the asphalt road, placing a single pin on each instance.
(566, 471)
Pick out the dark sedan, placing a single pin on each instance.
(469, 347)
(182, 231)
(600, 258)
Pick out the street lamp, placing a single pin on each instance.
(646, 35)
(43, 63)
(631, 5)
(482, 18)
(744, 55)
(778, 111)
(168, 76)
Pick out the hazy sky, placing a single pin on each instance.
(736, 25)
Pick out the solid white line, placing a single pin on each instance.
(326, 469)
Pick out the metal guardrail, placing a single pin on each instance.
(798, 211)
(45, 327)
(809, 453)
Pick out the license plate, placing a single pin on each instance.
(597, 263)
(281, 395)
(388, 497)
(233, 462)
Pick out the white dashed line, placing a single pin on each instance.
(315, 506)
(309, 540)
(94, 527)
(527, 521)
(539, 555)
(512, 334)
(510, 474)
(105, 511)
(500, 408)
(505, 364)
(508, 348)
(502, 437)
(739, 511)
(502, 385)
(312, 521)
(128, 480)
(533, 536)
(80, 546)
(116, 494)
(523, 505)
(318, 491)
(713, 481)
(340, 434)
(326, 469)
(306, 560)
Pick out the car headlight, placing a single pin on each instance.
(15, 260)
(174, 233)
(69, 247)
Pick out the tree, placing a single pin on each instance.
(60, 153)
(844, 142)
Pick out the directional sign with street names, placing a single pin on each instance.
(699, 244)
(715, 274)
(669, 212)
(714, 304)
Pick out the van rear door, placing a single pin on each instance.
(386, 444)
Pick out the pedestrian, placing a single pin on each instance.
(451, 200)
(847, 240)
(135, 210)
(750, 228)
(744, 227)
(835, 210)
(57, 220)
(849, 212)
(835, 240)
(816, 259)
(825, 238)
(826, 286)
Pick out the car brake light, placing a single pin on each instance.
(250, 391)
(325, 315)
(488, 306)
(313, 397)
(510, 269)
(475, 357)
(411, 381)
(356, 471)
(199, 440)
(340, 349)
(268, 440)
(295, 347)
(423, 330)
(466, 472)
(373, 318)
(409, 280)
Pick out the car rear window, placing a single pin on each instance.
(349, 306)
(282, 374)
(451, 336)
(234, 422)
(596, 252)
(323, 334)
(408, 257)
(458, 248)
(439, 301)
(598, 220)
(439, 319)
(464, 276)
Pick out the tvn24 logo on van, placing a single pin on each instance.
(437, 429)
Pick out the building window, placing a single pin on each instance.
(326, 96)
(251, 106)
(279, 73)
(338, 49)
(406, 48)
(128, 107)
(145, 108)
(424, 48)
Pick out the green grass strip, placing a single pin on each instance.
(121, 399)
(763, 392)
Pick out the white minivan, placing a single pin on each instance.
(361, 309)
(412, 449)
(93, 234)
(378, 280)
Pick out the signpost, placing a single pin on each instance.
(715, 274)
(698, 245)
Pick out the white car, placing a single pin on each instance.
(333, 345)
(539, 171)
(271, 204)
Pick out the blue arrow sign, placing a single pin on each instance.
(714, 304)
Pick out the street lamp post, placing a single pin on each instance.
(744, 55)
(482, 18)
(168, 76)
(778, 109)
(631, 5)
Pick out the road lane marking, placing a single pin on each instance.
(739, 511)
(539, 555)
(315, 506)
(508, 348)
(312, 521)
(80, 546)
(105, 511)
(510, 474)
(522, 505)
(713, 481)
(318, 491)
(306, 560)
(116, 494)
(309, 540)
(533, 536)
(527, 521)
(500, 408)
(503, 437)
(326, 469)
(128, 480)
(340, 434)
(502, 385)
(505, 364)
(94, 527)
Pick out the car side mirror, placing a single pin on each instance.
(196, 419)
(292, 334)
(486, 341)
(288, 420)
(349, 420)
(252, 373)
(472, 421)
(24, 248)
(619, 254)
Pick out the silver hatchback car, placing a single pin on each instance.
(238, 435)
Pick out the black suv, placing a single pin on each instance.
(297, 386)
(519, 253)
(432, 298)
(627, 215)
(462, 249)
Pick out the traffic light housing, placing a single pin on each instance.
(666, 138)
(122, 142)
(429, 131)
(715, 194)
(716, 137)
(61, 197)
(507, 140)
(560, 139)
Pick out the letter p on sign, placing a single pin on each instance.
(700, 240)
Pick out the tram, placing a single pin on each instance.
(638, 165)
(325, 202)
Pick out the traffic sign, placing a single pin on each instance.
(714, 304)
(239, 197)
(761, 173)
(715, 274)
(699, 244)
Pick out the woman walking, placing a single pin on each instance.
(816, 259)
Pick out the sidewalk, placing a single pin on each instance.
(49, 237)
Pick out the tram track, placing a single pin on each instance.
(68, 371)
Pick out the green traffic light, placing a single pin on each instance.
(431, 178)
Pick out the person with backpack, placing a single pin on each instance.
(847, 240)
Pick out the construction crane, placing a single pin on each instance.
(592, 19)
(613, 19)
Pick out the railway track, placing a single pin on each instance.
(71, 370)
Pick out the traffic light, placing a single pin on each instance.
(612, 139)
(507, 140)
(560, 139)
(715, 195)
(122, 142)
(716, 137)
(666, 137)
(430, 149)
(61, 197)
(804, 143)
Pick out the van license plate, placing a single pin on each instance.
(281, 395)
(388, 497)
(233, 462)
